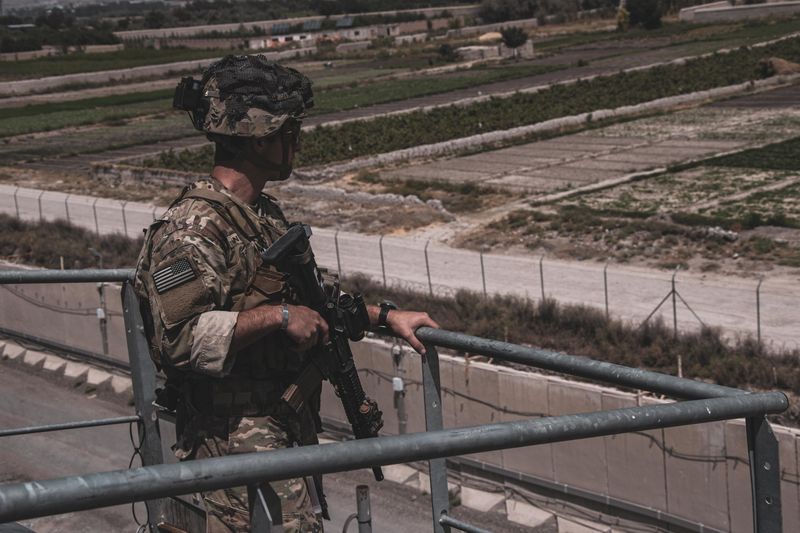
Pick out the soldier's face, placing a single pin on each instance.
(270, 151)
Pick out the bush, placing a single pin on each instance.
(44, 244)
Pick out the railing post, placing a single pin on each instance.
(437, 468)
(765, 476)
(143, 379)
(364, 512)
(265, 509)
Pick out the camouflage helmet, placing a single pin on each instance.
(246, 96)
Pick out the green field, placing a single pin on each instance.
(55, 116)
(76, 63)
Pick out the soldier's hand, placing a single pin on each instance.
(405, 323)
(307, 328)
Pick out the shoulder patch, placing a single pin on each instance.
(174, 275)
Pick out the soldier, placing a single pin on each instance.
(227, 330)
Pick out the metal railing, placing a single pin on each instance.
(703, 402)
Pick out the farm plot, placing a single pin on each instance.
(612, 152)
(735, 213)
(95, 139)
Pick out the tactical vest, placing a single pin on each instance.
(262, 371)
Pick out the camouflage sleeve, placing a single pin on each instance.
(189, 295)
(212, 341)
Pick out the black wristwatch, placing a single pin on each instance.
(385, 306)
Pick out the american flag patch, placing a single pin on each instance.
(173, 275)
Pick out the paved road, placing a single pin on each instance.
(29, 399)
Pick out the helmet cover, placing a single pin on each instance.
(251, 96)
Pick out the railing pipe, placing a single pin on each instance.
(447, 520)
(577, 366)
(85, 275)
(19, 501)
(68, 425)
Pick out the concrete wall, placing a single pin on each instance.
(723, 12)
(698, 472)
(476, 30)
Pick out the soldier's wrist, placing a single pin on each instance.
(284, 317)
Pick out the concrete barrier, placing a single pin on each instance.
(699, 472)
(723, 13)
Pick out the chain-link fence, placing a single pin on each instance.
(759, 307)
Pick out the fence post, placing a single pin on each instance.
(758, 309)
(338, 259)
(94, 210)
(39, 201)
(605, 286)
(66, 208)
(765, 476)
(428, 268)
(483, 276)
(16, 203)
(124, 222)
(674, 305)
(541, 274)
(383, 264)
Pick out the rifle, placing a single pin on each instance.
(347, 320)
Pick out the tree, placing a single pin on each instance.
(514, 37)
(502, 10)
(155, 19)
(645, 13)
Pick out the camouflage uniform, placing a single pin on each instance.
(199, 267)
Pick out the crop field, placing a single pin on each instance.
(330, 97)
(75, 63)
(96, 139)
(56, 116)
